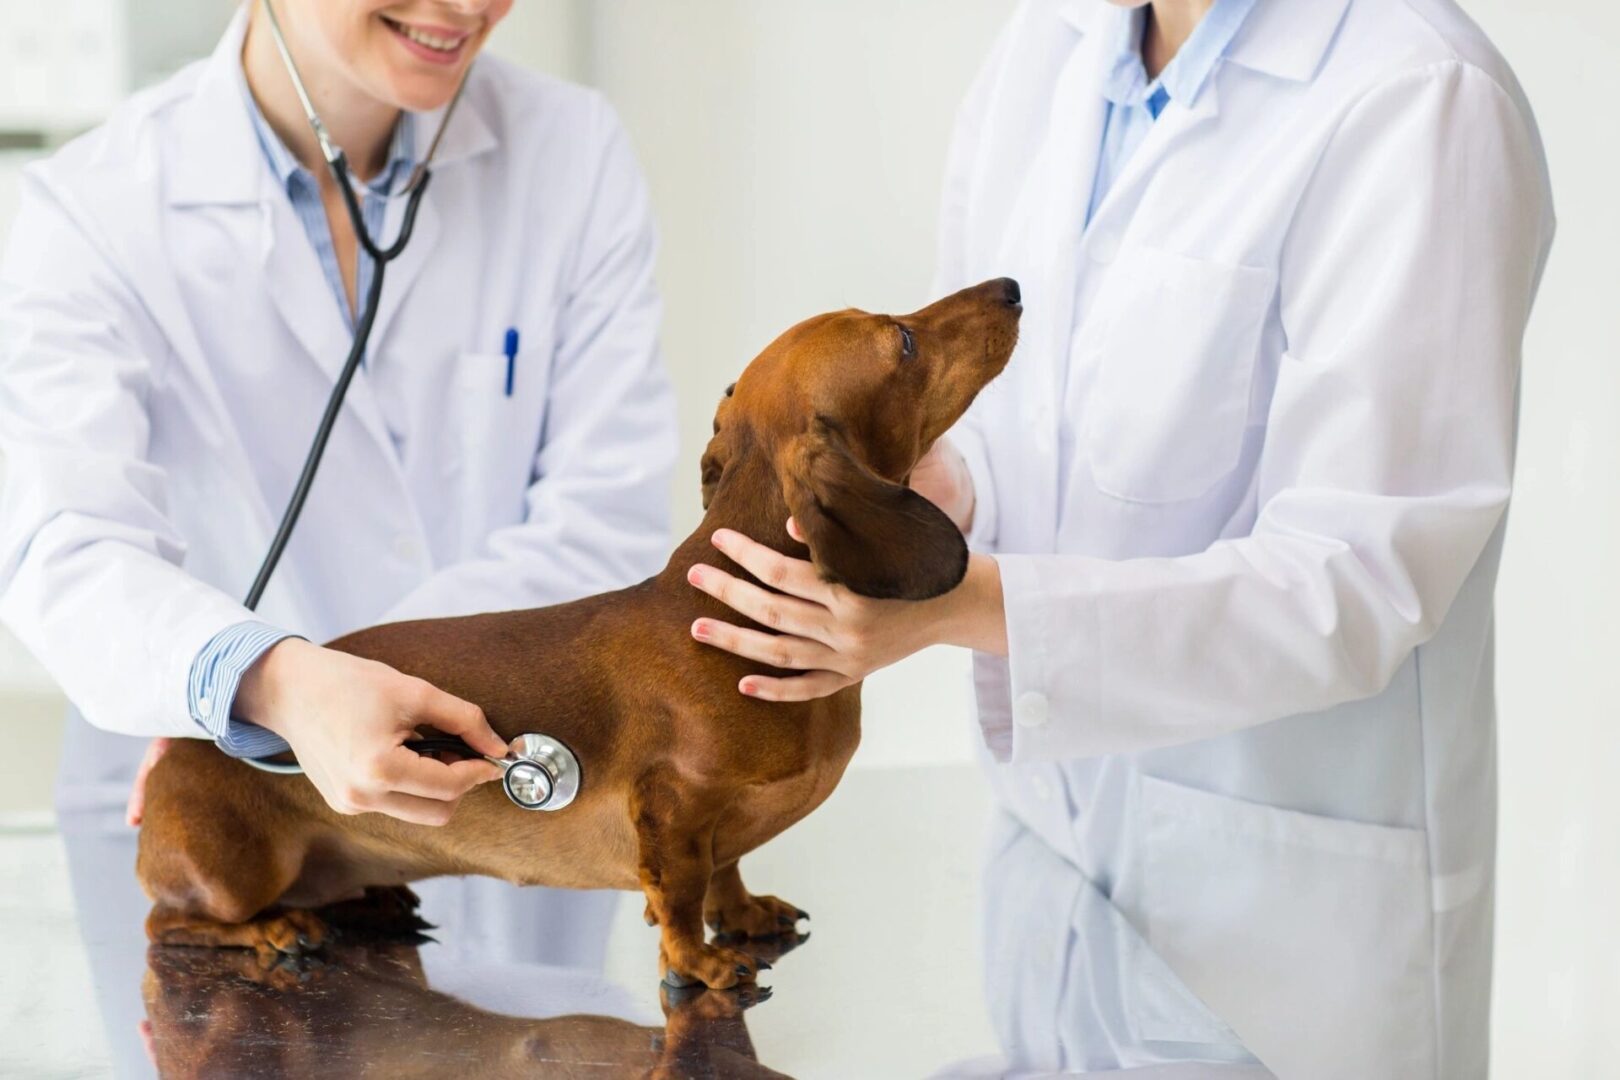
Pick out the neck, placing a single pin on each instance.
(356, 121)
(748, 500)
(1169, 24)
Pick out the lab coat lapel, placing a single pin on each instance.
(466, 136)
(1044, 243)
(298, 286)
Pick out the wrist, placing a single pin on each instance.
(261, 690)
(974, 616)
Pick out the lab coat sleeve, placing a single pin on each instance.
(597, 510)
(968, 434)
(91, 577)
(1405, 281)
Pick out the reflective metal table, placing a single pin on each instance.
(891, 983)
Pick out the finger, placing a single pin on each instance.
(777, 571)
(135, 809)
(453, 716)
(409, 773)
(793, 530)
(411, 808)
(778, 650)
(774, 610)
(807, 687)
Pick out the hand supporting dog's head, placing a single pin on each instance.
(842, 407)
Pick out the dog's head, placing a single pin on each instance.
(843, 406)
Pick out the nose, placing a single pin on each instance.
(1010, 292)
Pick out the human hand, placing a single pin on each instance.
(832, 635)
(941, 476)
(347, 719)
(135, 809)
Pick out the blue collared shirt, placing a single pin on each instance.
(218, 668)
(1135, 101)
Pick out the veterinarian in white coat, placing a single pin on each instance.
(1242, 490)
(170, 329)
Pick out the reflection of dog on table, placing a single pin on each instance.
(683, 775)
(367, 1010)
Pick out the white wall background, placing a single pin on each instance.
(794, 151)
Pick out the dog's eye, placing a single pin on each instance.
(908, 343)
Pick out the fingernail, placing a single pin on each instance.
(700, 630)
(695, 575)
(750, 689)
(720, 538)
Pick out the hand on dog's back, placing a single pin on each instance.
(347, 720)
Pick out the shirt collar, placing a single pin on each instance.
(286, 168)
(1125, 80)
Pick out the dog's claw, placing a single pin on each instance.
(741, 969)
(803, 914)
(763, 965)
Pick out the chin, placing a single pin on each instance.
(421, 95)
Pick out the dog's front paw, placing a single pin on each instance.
(292, 933)
(754, 917)
(715, 966)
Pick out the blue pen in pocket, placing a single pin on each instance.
(511, 349)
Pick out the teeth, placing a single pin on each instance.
(432, 42)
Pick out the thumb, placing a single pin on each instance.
(454, 716)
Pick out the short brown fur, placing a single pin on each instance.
(683, 775)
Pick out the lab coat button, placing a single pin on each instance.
(205, 708)
(1032, 709)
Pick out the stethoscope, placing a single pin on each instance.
(540, 773)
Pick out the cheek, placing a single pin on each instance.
(350, 35)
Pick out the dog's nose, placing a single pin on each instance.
(1010, 292)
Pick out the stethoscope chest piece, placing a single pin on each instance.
(541, 773)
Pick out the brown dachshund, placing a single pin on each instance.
(682, 774)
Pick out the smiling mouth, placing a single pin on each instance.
(442, 44)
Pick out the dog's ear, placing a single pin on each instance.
(713, 463)
(875, 537)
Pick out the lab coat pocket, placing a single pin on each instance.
(1310, 936)
(497, 437)
(1173, 350)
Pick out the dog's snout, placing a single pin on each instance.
(1010, 292)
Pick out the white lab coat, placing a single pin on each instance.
(168, 342)
(1246, 478)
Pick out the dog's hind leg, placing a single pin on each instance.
(676, 839)
(731, 910)
(292, 932)
(217, 879)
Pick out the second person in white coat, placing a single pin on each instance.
(1239, 502)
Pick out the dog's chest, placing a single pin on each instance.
(762, 811)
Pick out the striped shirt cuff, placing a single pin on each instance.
(211, 693)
